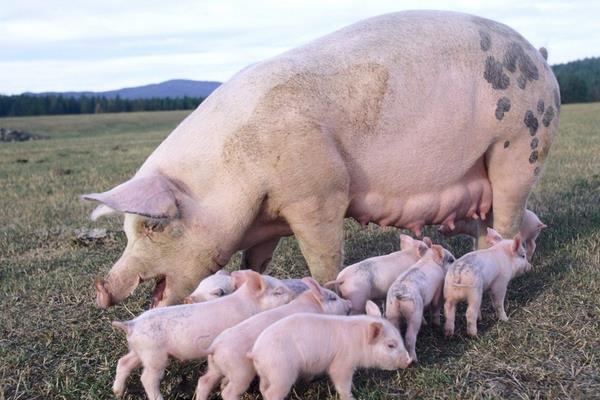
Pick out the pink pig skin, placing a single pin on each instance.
(227, 359)
(404, 119)
(186, 331)
(476, 272)
(305, 345)
(221, 284)
(416, 289)
(370, 279)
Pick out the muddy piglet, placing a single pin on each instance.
(370, 279)
(227, 359)
(186, 331)
(305, 345)
(476, 272)
(419, 287)
(221, 284)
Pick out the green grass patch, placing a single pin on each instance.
(55, 344)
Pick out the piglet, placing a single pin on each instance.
(474, 273)
(531, 226)
(370, 279)
(212, 287)
(186, 331)
(419, 287)
(227, 359)
(305, 345)
(221, 284)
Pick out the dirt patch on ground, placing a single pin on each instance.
(11, 135)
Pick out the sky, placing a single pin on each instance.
(57, 45)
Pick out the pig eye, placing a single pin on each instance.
(391, 345)
(155, 225)
(278, 291)
(451, 260)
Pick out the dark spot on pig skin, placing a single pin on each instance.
(486, 40)
(544, 53)
(515, 57)
(493, 74)
(557, 99)
(511, 56)
(506, 144)
(540, 106)
(548, 116)
(533, 157)
(534, 143)
(366, 268)
(536, 171)
(531, 122)
(502, 107)
(521, 82)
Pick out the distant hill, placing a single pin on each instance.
(176, 88)
(579, 80)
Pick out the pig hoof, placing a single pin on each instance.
(448, 334)
(118, 392)
(472, 333)
(503, 318)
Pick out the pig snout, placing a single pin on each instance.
(103, 297)
(405, 360)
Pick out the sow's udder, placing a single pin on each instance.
(471, 197)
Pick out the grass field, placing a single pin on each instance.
(54, 343)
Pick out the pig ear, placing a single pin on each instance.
(438, 253)
(150, 196)
(492, 237)
(516, 243)
(372, 309)
(256, 283)
(239, 278)
(427, 241)
(375, 330)
(102, 211)
(406, 242)
(422, 249)
(313, 287)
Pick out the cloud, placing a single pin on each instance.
(76, 45)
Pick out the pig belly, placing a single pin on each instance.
(396, 204)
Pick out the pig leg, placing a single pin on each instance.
(436, 305)
(511, 176)
(318, 224)
(239, 381)
(358, 300)
(208, 381)
(342, 380)
(279, 385)
(474, 305)
(154, 368)
(258, 257)
(450, 313)
(126, 364)
(498, 293)
(412, 330)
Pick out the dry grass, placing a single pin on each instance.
(55, 344)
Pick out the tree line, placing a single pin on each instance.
(28, 105)
(579, 83)
(579, 80)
